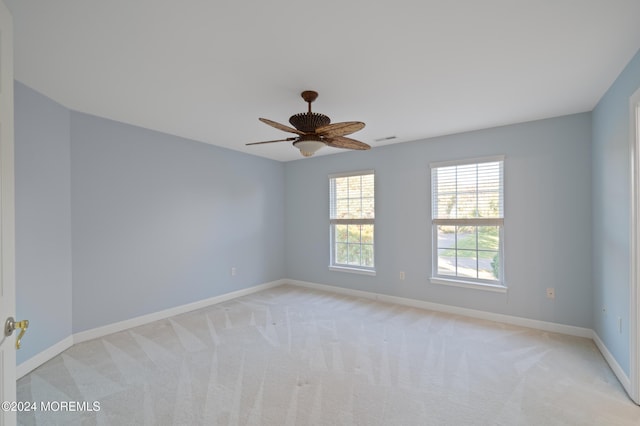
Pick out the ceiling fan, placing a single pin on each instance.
(315, 130)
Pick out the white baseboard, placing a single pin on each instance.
(615, 367)
(94, 333)
(508, 319)
(489, 316)
(44, 356)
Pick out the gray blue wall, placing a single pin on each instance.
(115, 221)
(547, 218)
(611, 212)
(43, 220)
(159, 221)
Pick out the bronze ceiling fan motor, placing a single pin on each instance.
(309, 121)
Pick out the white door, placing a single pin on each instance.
(7, 216)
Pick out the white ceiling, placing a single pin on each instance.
(413, 69)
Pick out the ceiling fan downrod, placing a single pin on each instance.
(309, 96)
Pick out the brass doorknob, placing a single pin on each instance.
(10, 325)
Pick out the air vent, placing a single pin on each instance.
(388, 138)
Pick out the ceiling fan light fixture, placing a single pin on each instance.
(309, 145)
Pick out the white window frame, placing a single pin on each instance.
(466, 282)
(333, 265)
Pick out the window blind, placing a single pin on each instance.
(468, 193)
(352, 198)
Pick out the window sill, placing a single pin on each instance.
(497, 288)
(353, 270)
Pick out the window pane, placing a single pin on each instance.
(355, 187)
(367, 255)
(468, 190)
(489, 204)
(466, 237)
(355, 208)
(341, 233)
(446, 262)
(341, 253)
(342, 209)
(368, 208)
(458, 256)
(342, 188)
(467, 264)
(446, 206)
(446, 237)
(466, 205)
(354, 254)
(488, 238)
(368, 186)
(367, 234)
(489, 265)
(446, 180)
(354, 233)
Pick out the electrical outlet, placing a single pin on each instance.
(233, 271)
(620, 325)
(402, 275)
(551, 293)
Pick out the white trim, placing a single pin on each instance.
(360, 271)
(476, 285)
(333, 222)
(356, 173)
(94, 333)
(477, 221)
(467, 161)
(7, 210)
(37, 360)
(489, 316)
(498, 222)
(352, 221)
(615, 367)
(634, 285)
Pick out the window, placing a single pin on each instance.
(351, 218)
(468, 223)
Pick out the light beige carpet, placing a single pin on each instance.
(291, 356)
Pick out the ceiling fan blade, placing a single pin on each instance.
(340, 129)
(346, 143)
(281, 126)
(277, 140)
